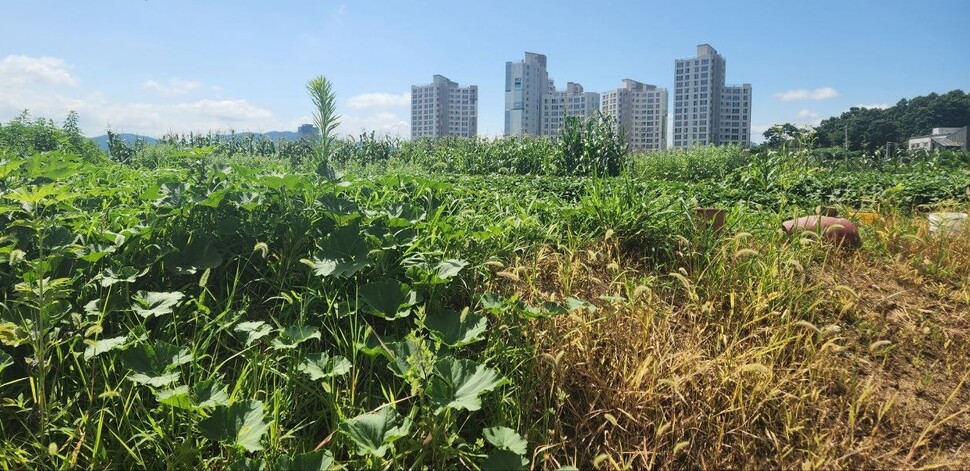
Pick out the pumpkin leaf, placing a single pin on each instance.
(457, 384)
(154, 304)
(456, 329)
(241, 424)
(321, 365)
(387, 298)
(375, 432)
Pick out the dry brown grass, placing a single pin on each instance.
(759, 352)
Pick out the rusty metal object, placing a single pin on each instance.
(710, 217)
(829, 211)
(838, 230)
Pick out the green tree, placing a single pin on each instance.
(780, 134)
(324, 116)
(868, 129)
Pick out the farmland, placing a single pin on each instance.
(474, 304)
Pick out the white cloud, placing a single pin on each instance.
(807, 114)
(880, 106)
(19, 70)
(172, 87)
(759, 129)
(199, 115)
(371, 100)
(384, 123)
(37, 84)
(806, 94)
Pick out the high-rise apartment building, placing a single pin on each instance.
(557, 104)
(704, 108)
(308, 132)
(641, 111)
(442, 108)
(526, 81)
(735, 125)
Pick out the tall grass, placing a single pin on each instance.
(757, 350)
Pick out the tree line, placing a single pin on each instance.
(869, 129)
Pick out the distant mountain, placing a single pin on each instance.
(102, 141)
(271, 135)
(279, 135)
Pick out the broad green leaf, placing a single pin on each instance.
(154, 364)
(320, 460)
(155, 379)
(336, 204)
(387, 298)
(493, 303)
(241, 424)
(172, 194)
(55, 166)
(253, 331)
(213, 199)
(195, 257)
(210, 393)
(573, 304)
(321, 365)
(124, 274)
(154, 304)
(343, 254)
(455, 328)
(294, 335)
(97, 347)
(449, 268)
(249, 201)
(406, 356)
(457, 384)
(8, 166)
(59, 236)
(94, 252)
(276, 181)
(375, 432)
(505, 438)
(548, 309)
(502, 460)
(176, 397)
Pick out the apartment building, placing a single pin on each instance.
(557, 104)
(640, 110)
(525, 83)
(705, 110)
(735, 115)
(442, 108)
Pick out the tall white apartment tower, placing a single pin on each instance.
(700, 105)
(525, 83)
(641, 111)
(557, 104)
(442, 108)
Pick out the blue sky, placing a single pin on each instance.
(151, 66)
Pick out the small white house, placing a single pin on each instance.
(941, 138)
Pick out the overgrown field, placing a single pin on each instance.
(189, 309)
